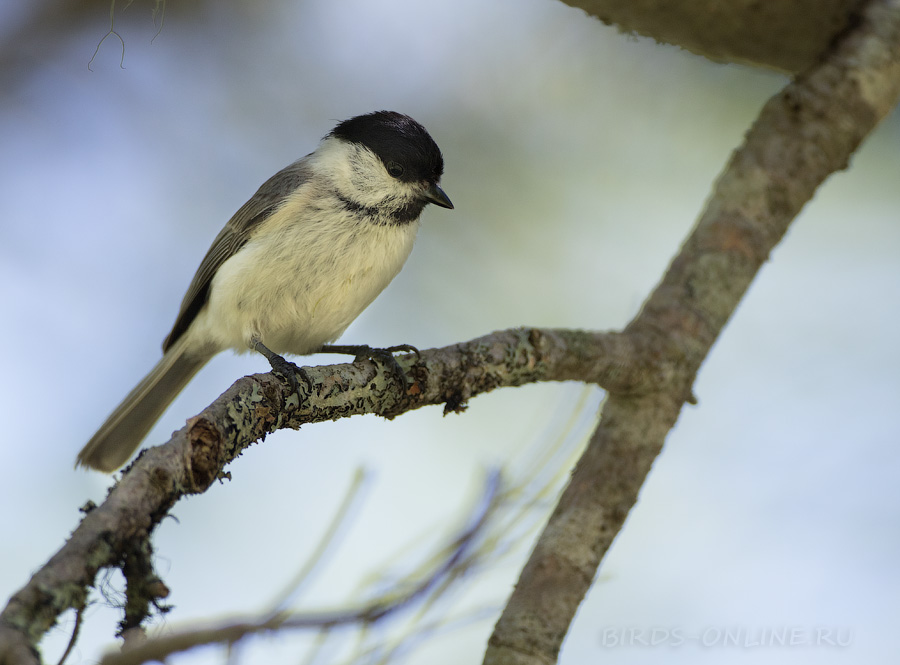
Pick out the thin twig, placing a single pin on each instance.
(324, 544)
(162, 647)
(76, 629)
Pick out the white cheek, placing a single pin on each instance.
(359, 175)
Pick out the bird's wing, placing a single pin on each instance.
(235, 235)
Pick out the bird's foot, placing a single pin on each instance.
(385, 356)
(284, 368)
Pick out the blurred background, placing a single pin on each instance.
(578, 160)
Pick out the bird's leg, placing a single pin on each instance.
(284, 368)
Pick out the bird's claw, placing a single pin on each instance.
(287, 371)
(284, 368)
(385, 356)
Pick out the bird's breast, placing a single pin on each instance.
(303, 278)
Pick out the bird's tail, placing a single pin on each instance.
(127, 426)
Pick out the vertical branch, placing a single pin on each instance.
(804, 133)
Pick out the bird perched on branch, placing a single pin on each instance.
(294, 266)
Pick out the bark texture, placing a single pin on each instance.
(804, 134)
(788, 36)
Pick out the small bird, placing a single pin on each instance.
(294, 266)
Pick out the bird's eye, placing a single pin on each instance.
(395, 169)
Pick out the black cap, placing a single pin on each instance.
(399, 141)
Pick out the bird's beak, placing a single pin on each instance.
(435, 195)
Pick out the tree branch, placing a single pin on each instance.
(788, 36)
(805, 133)
(116, 534)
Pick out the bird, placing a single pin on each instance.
(294, 266)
